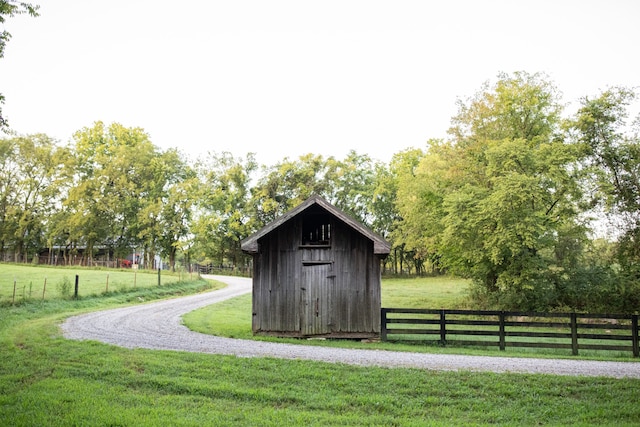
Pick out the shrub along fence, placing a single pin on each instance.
(574, 331)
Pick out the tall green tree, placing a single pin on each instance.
(30, 183)
(354, 186)
(163, 223)
(613, 158)
(500, 196)
(8, 183)
(406, 219)
(176, 218)
(113, 173)
(225, 212)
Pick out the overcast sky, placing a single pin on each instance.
(284, 78)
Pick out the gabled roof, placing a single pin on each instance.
(380, 246)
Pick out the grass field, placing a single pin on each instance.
(27, 282)
(426, 292)
(48, 380)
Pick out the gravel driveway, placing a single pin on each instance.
(158, 325)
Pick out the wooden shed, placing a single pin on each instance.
(316, 272)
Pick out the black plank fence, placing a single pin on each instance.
(573, 331)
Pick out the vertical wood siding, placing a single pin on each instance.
(306, 291)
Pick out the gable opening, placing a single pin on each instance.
(316, 229)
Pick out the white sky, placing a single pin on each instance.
(284, 78)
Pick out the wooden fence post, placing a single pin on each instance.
(75, 293)
(502, 333)
(574, 334)
(158, 277)
(443, 328)
(634, 335)
(383, 324)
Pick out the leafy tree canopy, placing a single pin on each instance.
(613, 160)
(494, 201)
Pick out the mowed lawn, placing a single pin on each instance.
(425, 292)
(48, 380)
(25, 282)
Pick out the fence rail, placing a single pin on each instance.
(574, 331)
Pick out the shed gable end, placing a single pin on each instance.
(316, 273)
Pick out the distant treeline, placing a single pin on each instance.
(516, 198)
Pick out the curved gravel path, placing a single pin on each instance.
(158, 325)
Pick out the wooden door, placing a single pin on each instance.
(317, 294)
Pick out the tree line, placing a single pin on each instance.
(513, 199)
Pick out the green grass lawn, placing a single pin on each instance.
(425, 292)
(48, 380)
(36, 282)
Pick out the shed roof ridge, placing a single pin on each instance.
(381, 246)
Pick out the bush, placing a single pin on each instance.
(587, 289)
(64, 287)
